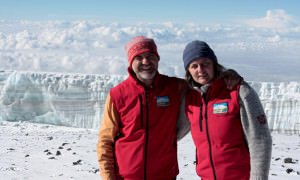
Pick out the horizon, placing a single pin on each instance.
(261, 40)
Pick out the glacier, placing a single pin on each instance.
(74, 100)
(77, 100)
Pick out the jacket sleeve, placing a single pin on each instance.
(183, 124)
(105, 147)
(256, 131)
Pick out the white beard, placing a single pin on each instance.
(146, 75)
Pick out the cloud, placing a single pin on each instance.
(276, 18)
(95, 48)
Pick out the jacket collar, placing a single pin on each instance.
(213, 87)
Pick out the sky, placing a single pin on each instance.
(259, 39)
(143, 11)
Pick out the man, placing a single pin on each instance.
(137, 136)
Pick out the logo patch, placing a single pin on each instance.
(162, 100)
(262, 119)
(220, 108)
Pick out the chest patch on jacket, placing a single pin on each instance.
(162, 100)
(220, 108)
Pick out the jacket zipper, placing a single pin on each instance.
(146, 135)
(141, 111)
(209, 142)
(200, 117)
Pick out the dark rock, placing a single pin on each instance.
(63, 144)
(77, 162)
(288, 160)
(58, 153)
(289, 170)
(94, 170)
(50, 138)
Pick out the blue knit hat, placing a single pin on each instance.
(197, 49)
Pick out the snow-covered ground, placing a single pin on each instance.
(40, 151)
(77, 52)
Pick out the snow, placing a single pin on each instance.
(36, 151)
(77, 100)
(33, 151)
(54, 98)
(50, 113)
(32, 147)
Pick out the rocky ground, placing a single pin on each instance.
(36, 151)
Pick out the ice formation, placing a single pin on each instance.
(77, 100)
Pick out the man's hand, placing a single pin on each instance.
(231, 78)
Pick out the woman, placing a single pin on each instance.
(228, 127)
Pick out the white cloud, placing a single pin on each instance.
(275, 38)
(277, 19)
(94, 47)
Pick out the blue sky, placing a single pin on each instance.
(143, 11)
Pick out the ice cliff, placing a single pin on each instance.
(77, 100)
